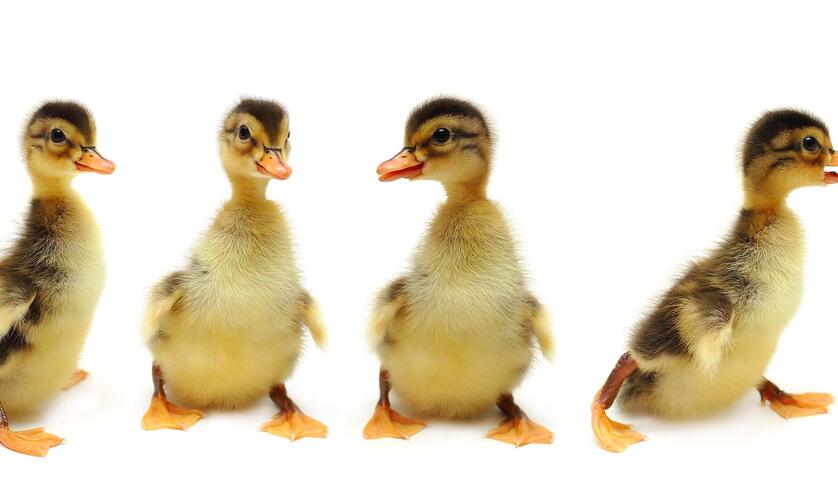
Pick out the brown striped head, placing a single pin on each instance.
(255, 140)
(787, 149)
(447, 140)
(60, 142)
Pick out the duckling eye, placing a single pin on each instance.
(244, 133)
(57, 136)
(811, 144)
(441, 136)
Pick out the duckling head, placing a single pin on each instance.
(255, 141)
(785, 150)
(60, 143)
(447, 140)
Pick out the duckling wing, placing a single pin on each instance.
(538, 322)
(387, 305)
(16, 295)
(697, 323)
(163, 299)
(312, 320)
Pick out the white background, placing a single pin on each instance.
(617, 161)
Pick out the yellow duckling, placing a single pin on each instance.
(227, 328)
(457, 333)
(51, 279)
(712, 335)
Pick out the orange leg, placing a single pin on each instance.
(77, 377)
(517, 428)
(793, 405)
(35, 442)
(387, 423)
(162, 413)
(291, 423)
(613, 436)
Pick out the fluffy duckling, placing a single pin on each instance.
(228, 328)
(712, 335)
(52, 277)
(456, 334)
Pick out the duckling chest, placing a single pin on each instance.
(772, 284)
(250, 276)
(465, 285)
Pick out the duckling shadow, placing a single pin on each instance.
(745, 418)
(488, 418)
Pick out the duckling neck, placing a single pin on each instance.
(769, 223)
(51, 187)
(249, 189)
(768, 203)
(461, 193)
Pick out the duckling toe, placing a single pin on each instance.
(163, 414)
(800, 405)
(35, 442)
(520, 432)
(612, 435)
(295, 425)
(387, 423)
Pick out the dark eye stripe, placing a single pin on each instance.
(781, 161)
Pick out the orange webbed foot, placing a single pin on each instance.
(77, 377)
(163, 414)
(295, 425)
(520, 432)
(387, 423)
(798, 405)
(35, 442)
(612, 435)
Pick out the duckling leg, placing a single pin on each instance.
(387, 423)
(77, 377)
(517, 428)
(162, 413)
(35, 442)
(793, 405)
(291, 423)
(613, 436)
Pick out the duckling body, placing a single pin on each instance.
(711, 337)
(231, 335)
(457, 333)
(228, 328)
(462, 340)
(59, 256)
(53, 275)
(758, 274)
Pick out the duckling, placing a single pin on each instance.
(228, 328)
(456, 333)
(711, 337)
(51, 279)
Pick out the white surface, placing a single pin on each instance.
(618, 129)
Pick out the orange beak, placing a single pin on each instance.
(404, 165)
(92, 161)
(829, 176)
(273, 166)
